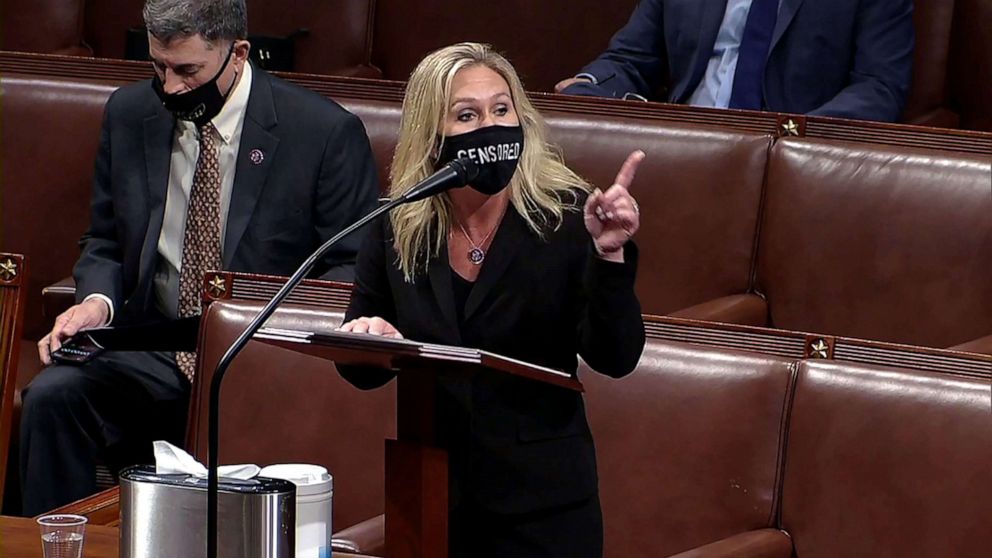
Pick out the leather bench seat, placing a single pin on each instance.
(689, 448)
(877, 243)
(702, 451)
(886, 462)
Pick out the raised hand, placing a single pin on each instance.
(374, 326)
(612, 217)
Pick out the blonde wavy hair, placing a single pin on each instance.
(541, 190)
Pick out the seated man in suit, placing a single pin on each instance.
(212, 164)
(841, 58)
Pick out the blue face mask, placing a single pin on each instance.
(496, 149)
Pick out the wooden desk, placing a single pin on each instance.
(20, 538)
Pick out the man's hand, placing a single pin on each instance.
(561, 85)
(87, 314)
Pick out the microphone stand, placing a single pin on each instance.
(464, 168)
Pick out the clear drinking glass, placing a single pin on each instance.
(62, 535)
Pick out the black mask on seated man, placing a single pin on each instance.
(496, 149)
(198, 105)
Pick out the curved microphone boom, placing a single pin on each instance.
(455, 174)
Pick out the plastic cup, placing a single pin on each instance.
(62, 535)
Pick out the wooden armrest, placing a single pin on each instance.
(102, 508)
(982, 345)
(741, 309)
(763, 543)
(367, 537)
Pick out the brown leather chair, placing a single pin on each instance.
(282, 406)
(50, 134)
(13, 279)
(970, 63)
(699, 190)
(928, 103)
(547, 41)
(382, 123)
(885, 462)
(689, 449)
(45, 26)
(338, 41)
(877, 242)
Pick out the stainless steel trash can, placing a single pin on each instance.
(165, 516)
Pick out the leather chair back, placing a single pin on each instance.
(338, 41)
(50, 134)
(928, 92)
(382, 123)
(547, 41)
(689, 446)
(44, 26)
(971, 64)
(279, 406)
(699, 190)
(877, 243)
(888, 462)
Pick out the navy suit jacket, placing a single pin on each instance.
(316, 177)
(842, 58)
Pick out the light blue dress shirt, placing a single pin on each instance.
(715, 88)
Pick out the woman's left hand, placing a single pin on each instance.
(612, 217)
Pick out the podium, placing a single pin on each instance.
(416, 467)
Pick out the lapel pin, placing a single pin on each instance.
(256, 156)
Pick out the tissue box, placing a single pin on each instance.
(166, 516)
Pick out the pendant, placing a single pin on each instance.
(476, 255)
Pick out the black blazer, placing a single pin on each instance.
(514, 445)
(317, 176)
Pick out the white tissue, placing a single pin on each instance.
(170, 460)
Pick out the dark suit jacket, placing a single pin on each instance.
(316, 177)
(843, 58)
(514, 445)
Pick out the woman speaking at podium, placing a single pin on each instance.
(528, 261)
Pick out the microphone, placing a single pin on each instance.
(455, 174)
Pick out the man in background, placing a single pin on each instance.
(212, 164)
(841, 58)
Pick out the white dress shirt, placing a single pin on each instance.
(717, 85)
(185, 152)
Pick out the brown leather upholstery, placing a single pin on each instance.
(46, 26)
(928, 99)
(50, 133)
(281, 406)
(699, 190)
(382, 123)
(338, 41)
(971, 64)
(547, 41)
(763, 543)
(881, 243)
(887, 462)
(339, 38)
(689, 447)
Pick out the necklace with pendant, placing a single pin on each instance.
(476, 254)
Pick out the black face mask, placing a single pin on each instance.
(198, 105)
(496, 149)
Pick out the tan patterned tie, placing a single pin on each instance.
(201, 240)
